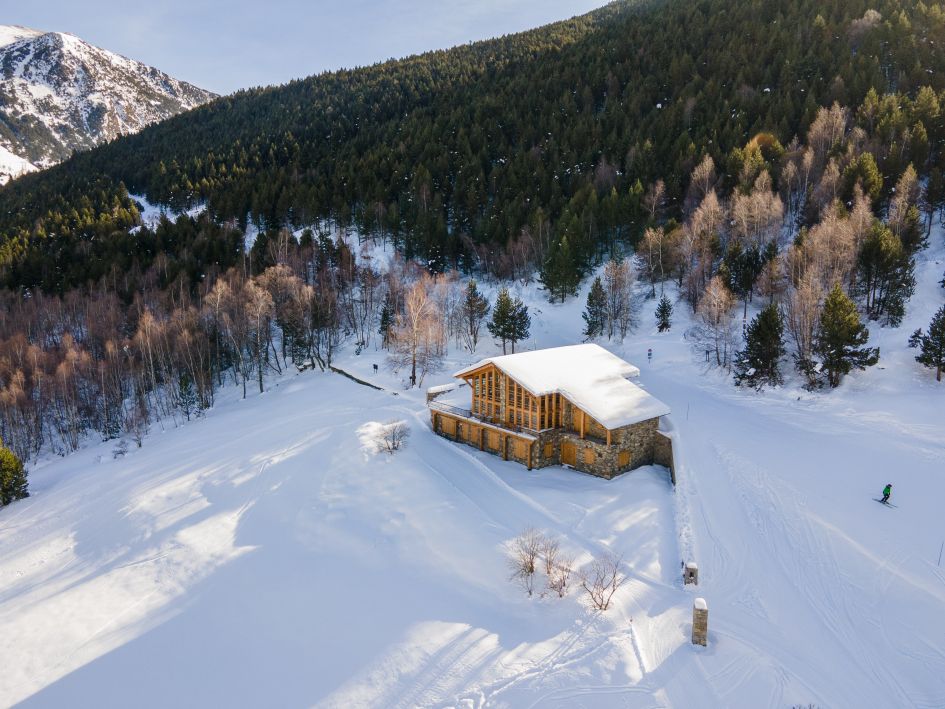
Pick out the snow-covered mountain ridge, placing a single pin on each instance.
(59, 94)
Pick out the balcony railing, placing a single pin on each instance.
(450, 409)
(468, 414)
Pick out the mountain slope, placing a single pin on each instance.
(59, 94)
(555, 131)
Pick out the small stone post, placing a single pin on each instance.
(700, 622)
(691, 573)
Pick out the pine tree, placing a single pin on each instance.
(664, 314)
(13, 483)
(742, 268)
(885, 272)
(510, 321)
(595, 312)
(521, 322)
(475, 309)
(865, 171)
(840, 338)
(186, 397)
(500, 325)
(759, 363)
(387, 322)
(561, 273)
(932, 345)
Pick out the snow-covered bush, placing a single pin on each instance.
(120, 449)
(377, 437)
(524, 552)
(558, 567)
(532, 550)
(602, 580)
(394, 436)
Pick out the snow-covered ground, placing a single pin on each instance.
(12, 166)
(265, 556)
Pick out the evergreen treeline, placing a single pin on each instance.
(497, 155)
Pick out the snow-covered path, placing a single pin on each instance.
(802, 566)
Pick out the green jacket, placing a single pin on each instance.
(887, 490)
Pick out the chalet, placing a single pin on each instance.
(560, 406)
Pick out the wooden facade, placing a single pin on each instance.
(498, 398)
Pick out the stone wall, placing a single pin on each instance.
(594, 456)
(663, 454)
(631, 446)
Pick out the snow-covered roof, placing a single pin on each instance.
(588, 375)
(442, 388)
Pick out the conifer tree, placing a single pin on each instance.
(510, 321)
(474, 309)
(13, 483)
(521, 322)
(932, 345)
(595, 312)
(742, 268)
(885, 272)
(186, 397)
(840, 338)
(500, 325)
(664, 314)
(864, 171)
(387, 322)
(560, 273)
(759, 363)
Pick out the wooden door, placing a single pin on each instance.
(521, 449)
(494, 440)
(568, 453)
(448, 426)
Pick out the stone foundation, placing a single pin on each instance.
(663, 453)
(631, 446)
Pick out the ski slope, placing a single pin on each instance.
(261, 556)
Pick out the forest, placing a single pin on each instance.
(800, 164)
(554, 133)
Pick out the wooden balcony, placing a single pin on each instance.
(463, 412)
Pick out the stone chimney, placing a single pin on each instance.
(691, 573)
(700, 622)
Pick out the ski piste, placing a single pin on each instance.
(888, 504)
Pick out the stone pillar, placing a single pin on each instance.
(700, 622)
(691, 573)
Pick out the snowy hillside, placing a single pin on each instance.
(59, 94)
(261, 556)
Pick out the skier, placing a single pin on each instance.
(887, 491)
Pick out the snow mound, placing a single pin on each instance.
(376, 437)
